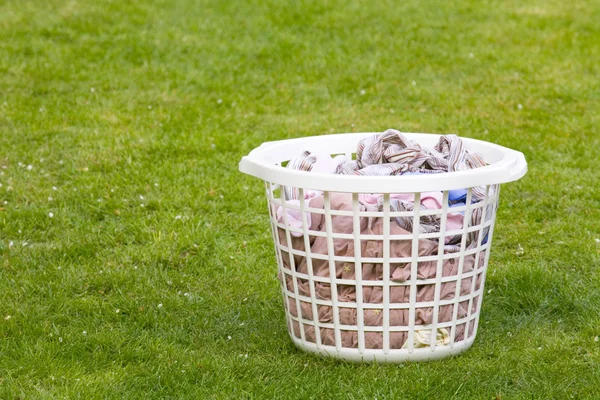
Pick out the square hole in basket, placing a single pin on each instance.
(325, 314)
(346, 293)
(463, 308)
(292, 306)
(347, 316)
(373, 316)
(372, 249)
(306, 310)
(472, 328)
(349, 339)
(373, 340)
(481, 261)
(400, 294)
(478, 281)
(425, 293)
(320, 267)
(303, 287)
(445, 313)
(328, 337)
(372, 294)
(475, 304)
(423, 315)
(399, 317)
(342, 224)
(450, 267)
(345, 270)
(372, 272)
(295, 328)
(323, 290)
(288, 280)
(459, 336)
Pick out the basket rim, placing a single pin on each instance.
(507, 165)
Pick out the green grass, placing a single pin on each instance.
(112, 101)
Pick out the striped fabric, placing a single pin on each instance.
(392, 153)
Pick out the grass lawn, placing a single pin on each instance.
(136, 261)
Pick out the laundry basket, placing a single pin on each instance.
(373, 291)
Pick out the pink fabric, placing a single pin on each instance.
(370, 272)
(429, 200)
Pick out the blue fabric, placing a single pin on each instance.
(457, 195)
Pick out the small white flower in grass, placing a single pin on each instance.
(117, 311)
(509, 334)
(520, 106)
(29, 167)
(245, 299)
(231, 257)
(99, 200)
(490, 291)
(362, 92)
(84, 333)
(539, 348)
(520, 251)
(54, 188)
(141, 197)
(142, 205)
(19, 231)
(178, 217)
(112, 190)
(597, 240)
(159, 305)
(7, 317)
(92, 90)
(221, 196)
(596, 339)
(51, 215)
(219, 101)
(245, 355)
(242, 324)
(60, 339)
(228, 337)
(61, 162)
(156, 185)
(50, 198)
(186, 294)
(5, 202)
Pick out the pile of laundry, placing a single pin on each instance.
(388, 153)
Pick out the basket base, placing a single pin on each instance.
(378, 356)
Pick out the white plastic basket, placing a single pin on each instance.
(381, 319)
